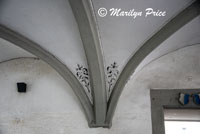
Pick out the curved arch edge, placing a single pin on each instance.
(88, 28)
(34, 48)
(185, 16)
(191, 45)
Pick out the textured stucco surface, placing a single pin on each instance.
(50, 106)
(179, 69)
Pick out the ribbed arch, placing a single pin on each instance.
(62, 69)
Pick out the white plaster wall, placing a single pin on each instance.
(179, 69)
(50, 105)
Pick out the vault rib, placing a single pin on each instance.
(61, 68)
(165, 32)
(86, 20)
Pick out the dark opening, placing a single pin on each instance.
(21, 87)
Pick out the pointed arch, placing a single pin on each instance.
(62, 69)
(165, 32)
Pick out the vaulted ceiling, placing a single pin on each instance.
(96, 55)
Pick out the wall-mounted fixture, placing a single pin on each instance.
(21, 87)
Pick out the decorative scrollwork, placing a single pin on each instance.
(83, 76)
(112, 74)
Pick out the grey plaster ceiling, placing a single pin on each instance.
(186, 36)
(9, 51)
(122, 36)
(49, 23)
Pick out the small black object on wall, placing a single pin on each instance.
(21, 87)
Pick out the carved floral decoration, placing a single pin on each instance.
(112, 74)
(83, 76)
